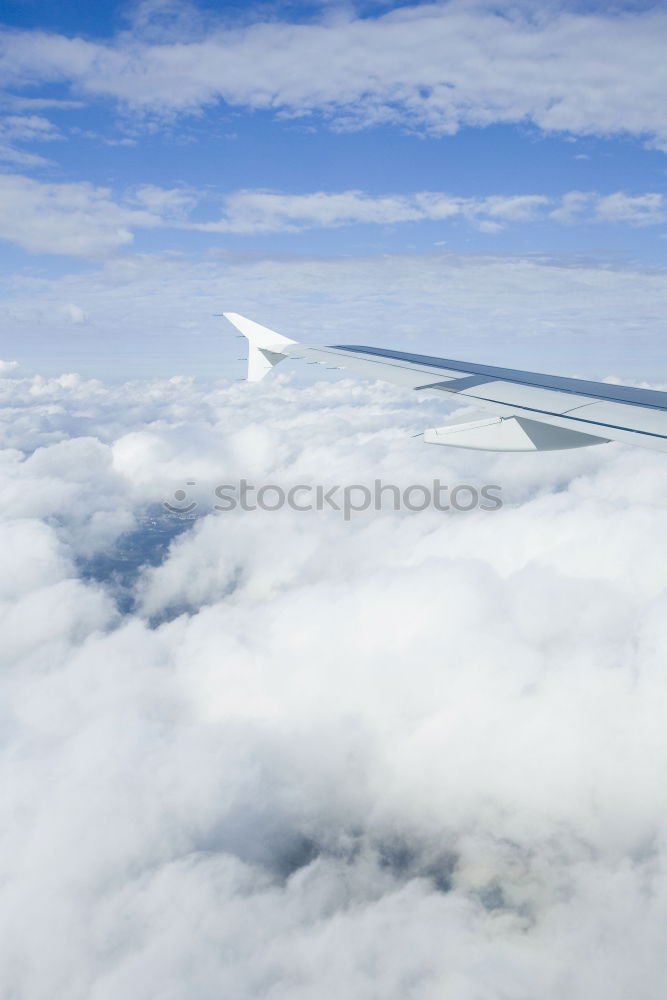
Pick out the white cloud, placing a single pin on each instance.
(21, 158)
(270, 211)
(25, 128)
(76, 219)
(31, 104)
(172, 204)
(433, 67)
(29, 128)
(75, 313)
(413, 749)
(641, 210)
(82, 220)
(573, 206)
(262, 211)
(588, 206)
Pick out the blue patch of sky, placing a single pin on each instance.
(226, 150)
(93, 20)
(102, 20)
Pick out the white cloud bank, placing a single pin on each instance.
(82, 220)
(433, 67)
(270, 211)
(411, 755)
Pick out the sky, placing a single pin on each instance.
(233, 137)
(416, 755)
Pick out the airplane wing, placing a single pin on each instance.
(517, 410)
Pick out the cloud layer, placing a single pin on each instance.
(434, 67)
(289, 755)
(83, 220)
(269, 211)
(156, 313)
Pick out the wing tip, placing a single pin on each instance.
(260, 336)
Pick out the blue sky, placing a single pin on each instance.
(144, 131)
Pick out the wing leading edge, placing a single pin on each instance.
(518, 410)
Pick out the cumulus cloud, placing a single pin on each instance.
(433, 67)
(292, 755)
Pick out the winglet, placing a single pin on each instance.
(264, 345)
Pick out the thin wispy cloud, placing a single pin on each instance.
(19, 129)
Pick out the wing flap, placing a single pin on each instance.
(508, 434)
